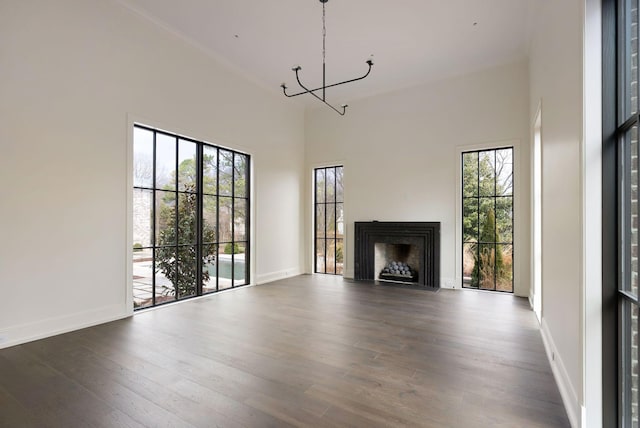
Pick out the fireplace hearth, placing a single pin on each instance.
(400, 252)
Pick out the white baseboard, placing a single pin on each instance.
(275, 276)
(24, 333)
(450, 283)
(567, 391)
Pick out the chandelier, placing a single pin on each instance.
(324, 86)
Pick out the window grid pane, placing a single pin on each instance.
(629, 61)
(329, 220)
(628, 311)
(143, 155)
(629, 363)
(240, 176)
(621, 119)
(189, 240)
(487, 219)
(210, 170)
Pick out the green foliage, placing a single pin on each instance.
(179, 264)
(137, 247)
(489, 263)
(478, 180)
(228, 249)
(486, 178)
(230, 172)
(339, 254)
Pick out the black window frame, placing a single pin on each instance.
(616, 201)
(200, 193)
(325, 204)
(495, 197)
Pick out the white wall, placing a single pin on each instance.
(401, 155)
(74, 73)
(556, 80)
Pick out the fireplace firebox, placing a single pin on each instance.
(400, 252)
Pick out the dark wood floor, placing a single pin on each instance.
(307, 351)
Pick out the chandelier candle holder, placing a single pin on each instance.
(324, 86)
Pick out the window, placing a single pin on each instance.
(620, 213)
(329, 220)
(487, 219)
(190, 217)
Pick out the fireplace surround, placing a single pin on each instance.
(424, 237)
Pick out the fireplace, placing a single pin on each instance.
(396, 262)
(399, 252)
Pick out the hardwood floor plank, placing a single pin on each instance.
(352, 406)
(306, 351)
(13, 413)
(111, 384)
(53, 398)
(284, 410)
(223, 379)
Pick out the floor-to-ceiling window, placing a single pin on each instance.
(190, 217)
(487, 219)
(328, 220)
(621, 119)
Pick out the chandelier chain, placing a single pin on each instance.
(324, 34)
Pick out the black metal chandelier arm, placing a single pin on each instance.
(296, 69)
(324, 75)
(344, 106)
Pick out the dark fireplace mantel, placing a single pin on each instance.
(426, 234)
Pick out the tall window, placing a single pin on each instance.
(329, 220)
(487, 219)
(190, 218)
(620, 212)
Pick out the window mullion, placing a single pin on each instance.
(199, 217)
(177, 222)
(335, 220)
(495, 220)
(326, 238)
(612, 48)
(315, 221)
(478, 214)
(247, 221)
(233, 219)
(153, 223)
(217, 244)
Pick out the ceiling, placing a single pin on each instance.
(412, 41)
